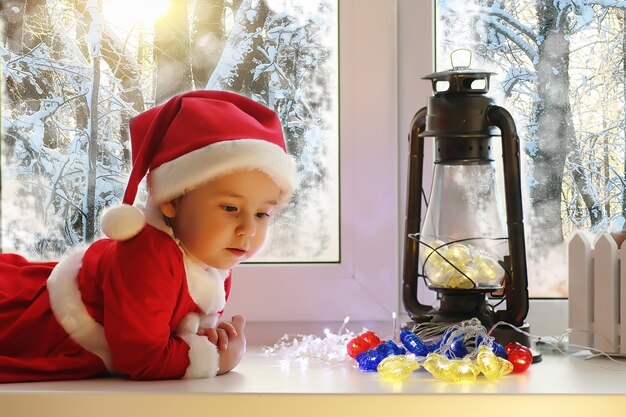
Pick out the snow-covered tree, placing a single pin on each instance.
(561, 66)
(75, 77)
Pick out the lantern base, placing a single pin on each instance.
(457, 306)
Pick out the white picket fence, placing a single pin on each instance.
(597, 293)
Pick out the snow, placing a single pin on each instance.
(92, 38)
(47, 164)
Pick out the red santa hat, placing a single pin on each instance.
(193, 138)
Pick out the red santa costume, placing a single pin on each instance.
(132, 303)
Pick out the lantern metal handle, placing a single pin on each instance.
(413, 217)
(517, 290)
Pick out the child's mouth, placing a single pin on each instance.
(237, 252)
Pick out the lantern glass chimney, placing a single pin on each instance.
(464, 234)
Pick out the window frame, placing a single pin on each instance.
(364, 284)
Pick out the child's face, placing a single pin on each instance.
(225, 221)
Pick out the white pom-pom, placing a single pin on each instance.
(122, 222)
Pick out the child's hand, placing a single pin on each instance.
(229, 358)
(220, 335)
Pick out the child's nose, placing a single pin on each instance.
(247, 225)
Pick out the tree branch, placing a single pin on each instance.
(511, 21)
(528, 50)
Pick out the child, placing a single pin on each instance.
(145, 302)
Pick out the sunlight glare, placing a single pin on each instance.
(126, 13)
(293, 7)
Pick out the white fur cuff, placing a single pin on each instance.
(203, 357)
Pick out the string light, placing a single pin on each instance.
(437, 365)
(455, 265)
(357, 346)
(413, 343)
(370, 338)
(457, 349)
(499, 350)
(489, 272)
(448, 359)
(397, 350)
(362, 343)
(451, 370)
(397, 367)
(368, 361)
(484, 355)
(452, 343)
(299, 349)
(519, 355)
(343, 325)
(492, 366)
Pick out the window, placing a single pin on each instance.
(75, 74)
(71, 93)
(560, 72)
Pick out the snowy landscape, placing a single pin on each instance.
(75, 71)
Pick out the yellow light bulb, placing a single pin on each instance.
(436, 365)
(489, 272)
(451, 370)
(397, 367)
(458, 280)
(462, 371)
(490, 365)
(439, 275)
(458, 254)
(437, 247)
(432, 257)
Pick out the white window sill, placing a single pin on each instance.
(577, 387)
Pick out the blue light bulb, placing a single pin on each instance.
(384, 350)
(368, 361)
(499, 350)
(413, 343)
(457, 349)
(434, 346)
(397, 350)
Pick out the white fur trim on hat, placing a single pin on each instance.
(203, 357)
(177, 177)
(122, 222)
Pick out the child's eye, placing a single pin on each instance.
(229, 209)
(262, 215)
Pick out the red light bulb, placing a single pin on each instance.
(362, 343)
(512, 345)
(356, 346)
(370, 338)
(519, 355)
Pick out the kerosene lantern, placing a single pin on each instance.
(465, 250)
